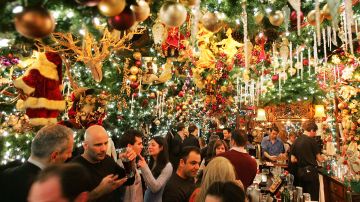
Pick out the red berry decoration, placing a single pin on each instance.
(138, 63)
(293, 17)
(275, 77)
(134, 85)
(123, 21)
(181, 94)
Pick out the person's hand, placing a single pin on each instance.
(141, 162)
(130, 154)
(110, 183)
(273, 158)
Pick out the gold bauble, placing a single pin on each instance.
(111, 8)
(152, 95)
(141, 10)
(325, 12)
(223, 89)
(212, 22)
(311, 18)
(292, 71)
(258, 17)
(132, 78)
(34, 22)
(134, 70)
(190, 2)
(137, 56)
(276, 18)
(173, 14)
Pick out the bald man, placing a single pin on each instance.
(107, 177)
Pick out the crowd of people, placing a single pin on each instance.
(176, 168)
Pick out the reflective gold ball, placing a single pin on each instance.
(133, 78)
(134, 70)
(137, 56)
(34, 22)
(258, 17)
(325, 12)
(111, 8)
(173, 14)
(141, 10)
(311, 18)
(276, 18)
(212, 22)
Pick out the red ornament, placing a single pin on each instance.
(261, 38)
(178, 108)
(123, 21)
(293, 17)
(181, 94)
(134, 85)
(275, 77)
(135, 95)
(89, 3)
(305, 62)
(138, 63)
(145, 103)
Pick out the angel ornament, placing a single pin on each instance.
(149, 77)
(229, 46)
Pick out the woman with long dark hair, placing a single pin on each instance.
(159, 170)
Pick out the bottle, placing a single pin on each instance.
(299, 191)
(285, 195)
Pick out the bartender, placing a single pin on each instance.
(272, 146)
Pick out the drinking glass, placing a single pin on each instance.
(128, 166)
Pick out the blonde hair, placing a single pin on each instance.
(218, 169)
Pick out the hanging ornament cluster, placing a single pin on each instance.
(173, 14)
(135, 70)
(34, 22)
(123, 16)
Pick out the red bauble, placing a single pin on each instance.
(135, 95)
(293, 17)
(134, 85)
(88, 2)
(123, 21)
(305, 62)
(178, 108)
(275, 77)
(181, 94)
(138, 63)
(145, 103)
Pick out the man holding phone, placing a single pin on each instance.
(106, 175)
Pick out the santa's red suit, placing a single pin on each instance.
(42, 83)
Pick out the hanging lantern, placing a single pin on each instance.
(319, 111)
(261, 115)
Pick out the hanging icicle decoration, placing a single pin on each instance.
(344, 31)
(349, 22)
(296, 4)
(317, 13)
(244, 19)
(286, 11)
(324, 44)
(315, 54)
(328, 29)
(195, 22)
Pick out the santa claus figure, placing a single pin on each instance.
(41, 83)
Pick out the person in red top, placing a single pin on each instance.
(245, 166)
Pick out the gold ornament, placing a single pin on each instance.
(110, 8)
(190, 2)
(325, 12)
(137, 56)
(276, 18)
(133, 78)
(258, 17)
(173, 14)
(292, 71)
(141, 10)
(212, 22)
(152, 95)
(311, 18)
(134, 70)
(223, 89)
(34, 23)
(159, 32)
(229, 45)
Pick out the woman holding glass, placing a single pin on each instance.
(159, 170)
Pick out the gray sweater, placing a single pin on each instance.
(155, 187)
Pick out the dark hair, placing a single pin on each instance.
(226, 191)
(310, 125)
(180, 127)
(74, 178)
(192, 128)
(129, 137)
(274, 128)
(187, 150)
(239, 136)
(228, 129)
(217, 143)
(162, 158)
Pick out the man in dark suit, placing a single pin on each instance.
(52, 144)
